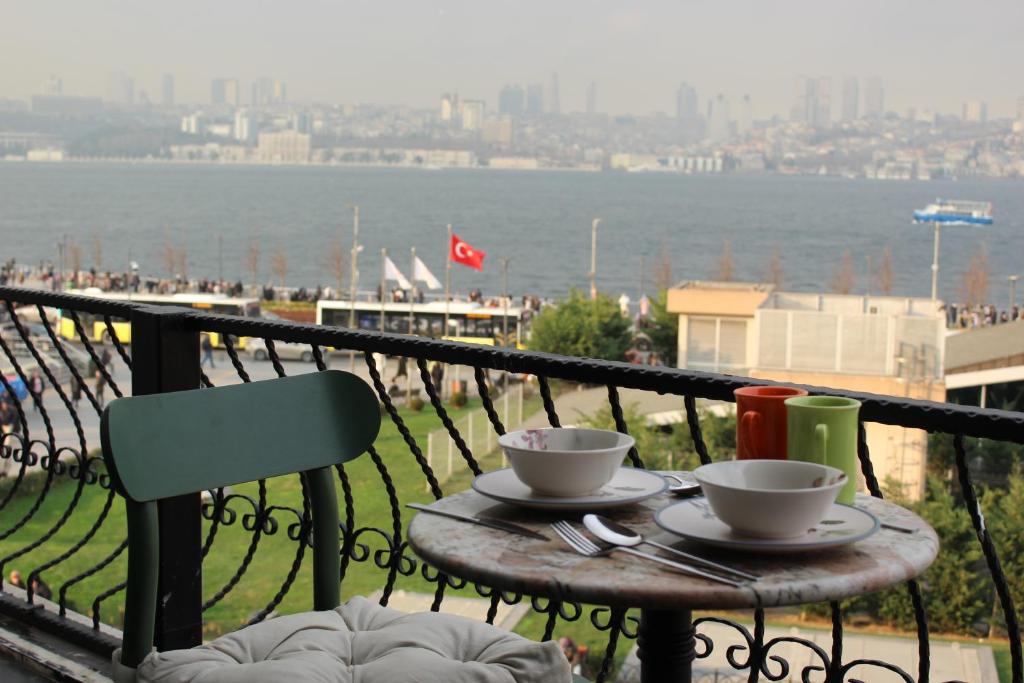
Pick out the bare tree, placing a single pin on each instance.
(181, 258)
(252, 260)
(773, 271)
(845, 277)
(974, 284)
(883, 273)
(336, 262)
(723, 271)
(169, 256)
(97, 252)
(75, 257)
(663, 270)
(279, 265)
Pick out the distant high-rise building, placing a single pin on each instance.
(121, 88)
(535, 99)
(225, 91)
(975, 111)
(449, 107)
(745, 122)
(280, 95)
(245, 128)
(851, 98)
(874, 98)
(591, 98)
(719, 128)
(471, 114)
(512, 100)
(554, 100)
(269, 91)
(167, 90)
(686, 102)
(53, 86)
(813, 101)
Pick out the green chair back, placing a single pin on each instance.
(163, 445)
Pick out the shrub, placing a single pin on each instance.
(458, 399)
(416, 404)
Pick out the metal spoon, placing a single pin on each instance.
(684, 486)
(617, 534)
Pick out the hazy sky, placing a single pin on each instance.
(930, 53)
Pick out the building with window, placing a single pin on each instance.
(883, 345)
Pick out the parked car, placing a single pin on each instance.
(257, 349)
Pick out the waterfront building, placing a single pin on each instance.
(975, 111)
(851, 98)
(591, 98)
(497, 131)
(245, 128)
(884, 345)
(286, 147)
(193, 124)
(535, 99)
(167, 90)
(874, 98)
(512, 100)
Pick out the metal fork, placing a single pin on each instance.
(584, 546)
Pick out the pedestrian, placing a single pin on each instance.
(207, 346)
(15, 579)
(437, 375)
(101, 377)
(40, 588)
(403, 369)
(9, 421)
(37, 387)
(76, 390)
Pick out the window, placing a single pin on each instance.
(716, 344)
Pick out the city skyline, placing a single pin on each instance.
(635, 57)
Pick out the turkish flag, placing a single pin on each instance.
(466, 254)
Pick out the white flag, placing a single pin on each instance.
(391, 272)
(420, 273)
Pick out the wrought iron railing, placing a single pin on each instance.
(164, 356)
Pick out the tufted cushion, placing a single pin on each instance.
(362, 642)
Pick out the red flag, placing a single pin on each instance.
(466, 254)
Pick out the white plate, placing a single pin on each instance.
(629, 485)
(693, 520)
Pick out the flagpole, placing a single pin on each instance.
(383, 283)
(447, 282)
(412, 274)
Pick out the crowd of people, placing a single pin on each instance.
(965, 316)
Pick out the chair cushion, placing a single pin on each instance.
(362, 642)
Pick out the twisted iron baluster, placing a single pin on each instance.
(80, 330)
(407, 436)
(302, 536)
(233, 355)
(615, 624)
(485, 399)
(435, 401)
(258, 527)
(112, 333)
(98, 600)
(395, 556)
(274, 360)
(11, 452)
(693, 420)
(620, 423)
(66, 586)
(991, 557)
(549, 405)
(913, 588)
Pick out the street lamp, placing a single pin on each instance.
(1013, 290)
(593, 257)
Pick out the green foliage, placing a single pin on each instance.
(416, 404)
(1005, 516)
(578, 326)
(663, 329)
(458, 399)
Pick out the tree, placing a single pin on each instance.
(75, 257)
(336, 259)
(252, 260)
(97, 252)
(578, 326)
(883, 273)
(974, 284)
(169, 256)
(723, 271)
(663, 270)
(279, 265)
(773, 272)
(663, 329)
(181, 259)
(845, 277)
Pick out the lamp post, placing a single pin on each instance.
(353, 278)
(1013, 290)
(593, 257)
(935, 263)
(504, 299)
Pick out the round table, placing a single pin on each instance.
(666, 598)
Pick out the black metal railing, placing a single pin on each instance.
(51, 468)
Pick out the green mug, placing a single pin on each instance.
(823, 429)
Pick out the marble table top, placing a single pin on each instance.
(552, 569)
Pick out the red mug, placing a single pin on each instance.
(761, 421)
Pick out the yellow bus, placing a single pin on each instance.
(96, 328)
(467, 322)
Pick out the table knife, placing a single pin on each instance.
(491, 522)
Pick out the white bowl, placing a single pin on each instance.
(564, 462)
(770, 498)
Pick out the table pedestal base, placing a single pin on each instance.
(666, 646)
